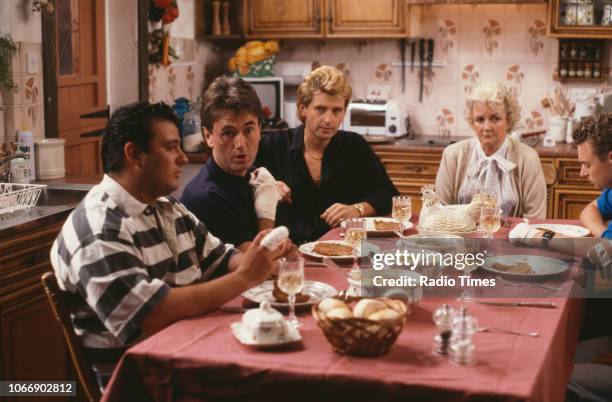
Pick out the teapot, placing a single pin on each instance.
(264, 325)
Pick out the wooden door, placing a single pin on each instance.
(283, 18)
(81, 85)
(366, 18)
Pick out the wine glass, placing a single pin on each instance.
(402, 211)
(470, 246)
(291, 281)
(490, 221)
(355, 233)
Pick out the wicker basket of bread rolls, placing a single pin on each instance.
(360, 326)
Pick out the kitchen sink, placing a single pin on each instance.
(50, 197)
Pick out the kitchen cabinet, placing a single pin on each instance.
(32, 346)
(580, 19)
(410, 168)
(326, 18)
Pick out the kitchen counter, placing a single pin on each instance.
(437, 144)
(55, 203)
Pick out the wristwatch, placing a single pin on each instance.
(360, 208)
(547, 236)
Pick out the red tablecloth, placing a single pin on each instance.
(198, 359)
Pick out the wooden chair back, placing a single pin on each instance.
(61, 309)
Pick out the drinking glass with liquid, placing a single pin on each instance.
(402, 211)
(291, 281)
(490, 221)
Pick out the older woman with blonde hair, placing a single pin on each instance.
(493, 162)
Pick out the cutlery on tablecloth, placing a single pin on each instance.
(507, 331)
(518, 304)
(529, 285)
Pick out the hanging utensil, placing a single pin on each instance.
(421, 60)
(412, 52)
(430, 54)
(403, 61)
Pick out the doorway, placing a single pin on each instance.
(76, 107)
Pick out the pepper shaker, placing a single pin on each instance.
(443, 317)
(216, 25)
(226, 23)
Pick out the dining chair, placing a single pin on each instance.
(61, 309)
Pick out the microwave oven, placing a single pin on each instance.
(270, 93)
(374, 117)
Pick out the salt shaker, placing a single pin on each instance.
(462, 348)
(443, 317)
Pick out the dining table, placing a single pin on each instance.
(198, 359)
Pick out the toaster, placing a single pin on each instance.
(374, 117)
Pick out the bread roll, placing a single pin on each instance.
(329, 304)
(386, 314)
(364, 308)
(339, 314)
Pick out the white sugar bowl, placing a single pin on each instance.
(264, 325)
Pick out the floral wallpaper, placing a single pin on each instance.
(503, 43)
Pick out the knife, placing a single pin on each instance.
(421, 59)
(412, 52)
(403, 60)
(518, 304)
(430, 54)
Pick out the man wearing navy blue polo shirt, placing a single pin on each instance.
(233, 199)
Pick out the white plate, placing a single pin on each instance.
(316, 290)
(541, 266)
(371, 229)
(293, 336)
(565, 230)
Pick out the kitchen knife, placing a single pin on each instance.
(412, 52)
(518, 304)
(421, 60)
(430, 54)
(403, 61)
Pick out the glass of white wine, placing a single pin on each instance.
(402, 211)
(354, 234)
(291, 281)
(490, 221)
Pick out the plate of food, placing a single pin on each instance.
(312, 293)
(334, 249)
(381, 226)
(524, 266)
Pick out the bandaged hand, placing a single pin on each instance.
(522, 232)
(265, 193)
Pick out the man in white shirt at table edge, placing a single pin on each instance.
(136, 259)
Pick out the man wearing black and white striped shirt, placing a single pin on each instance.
(128, 251)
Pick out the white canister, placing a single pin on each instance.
(557, 128)
(50, 162)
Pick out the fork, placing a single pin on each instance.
(518, 285)
(507, 331)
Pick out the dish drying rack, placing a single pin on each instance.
(16, 197)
